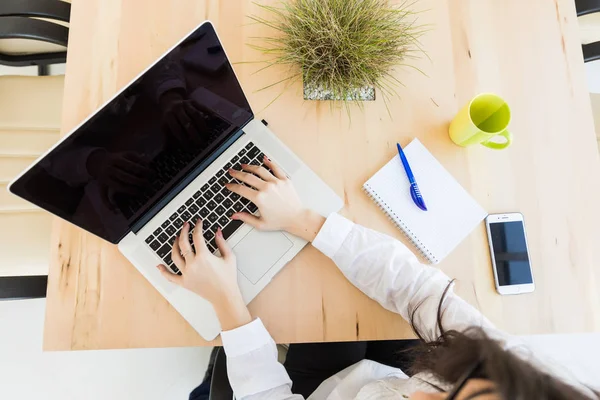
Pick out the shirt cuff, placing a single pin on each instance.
(245, 339)
(332, 235)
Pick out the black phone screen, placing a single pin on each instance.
(510, 253)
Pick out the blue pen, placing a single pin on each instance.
(414, 188)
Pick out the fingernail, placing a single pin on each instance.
(267, 158)
(234, 216)
(219, 232)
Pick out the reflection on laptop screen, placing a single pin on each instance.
(142, 143)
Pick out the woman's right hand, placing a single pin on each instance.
(277, 201)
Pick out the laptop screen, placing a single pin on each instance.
(129, 154)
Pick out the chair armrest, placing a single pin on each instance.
(51, 9)
(585, 7)
(23, 287)
(591, 52)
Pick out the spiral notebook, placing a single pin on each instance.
(452, 213)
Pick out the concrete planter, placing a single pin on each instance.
(312, 92)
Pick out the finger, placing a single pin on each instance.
(260, 171)
(199, 241)
(277, 171)
(176, 279)
(184, 243)
(250, 179)
(176, 255)
(242, 190)
(224, 248)
(249, 219)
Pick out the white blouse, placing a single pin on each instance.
(385, 270)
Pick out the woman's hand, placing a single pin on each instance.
(213, 278)
(276, 198)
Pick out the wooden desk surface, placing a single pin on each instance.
(528, 52)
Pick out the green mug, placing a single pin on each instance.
(484, 118)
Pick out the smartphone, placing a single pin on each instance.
(510, 253)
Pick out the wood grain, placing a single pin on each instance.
(528, 52)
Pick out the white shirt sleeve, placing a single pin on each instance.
(252, 366)
(386, 270)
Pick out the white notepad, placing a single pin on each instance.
(452, 213)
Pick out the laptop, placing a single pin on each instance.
(156, 155)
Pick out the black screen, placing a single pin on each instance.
(510, 253)
(133, 151)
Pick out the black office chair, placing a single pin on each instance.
(26, 40)
(587, 12)
(220, 389)
(215, 385)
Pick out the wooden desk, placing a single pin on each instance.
(528, 52)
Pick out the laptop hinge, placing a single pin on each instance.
(193, 174)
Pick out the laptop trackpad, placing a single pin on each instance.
(258, 251)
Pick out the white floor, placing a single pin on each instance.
(27, 373)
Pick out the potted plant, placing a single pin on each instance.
(342, 50)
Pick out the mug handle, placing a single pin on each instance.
(500, 146)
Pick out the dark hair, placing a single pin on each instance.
(453, 353)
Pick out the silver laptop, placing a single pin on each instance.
(156, 155)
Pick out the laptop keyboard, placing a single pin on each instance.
(214, 204)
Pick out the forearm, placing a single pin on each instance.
(232, 312)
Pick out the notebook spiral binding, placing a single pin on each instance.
(392, 216)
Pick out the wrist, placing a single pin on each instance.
(306, 225)
(232, 312)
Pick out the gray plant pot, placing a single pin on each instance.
(312, 92)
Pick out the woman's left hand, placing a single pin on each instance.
(211, 277)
